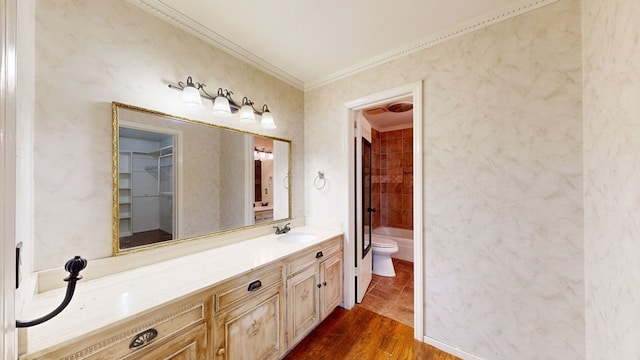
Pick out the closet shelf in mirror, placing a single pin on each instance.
(167, 150)
(167, 194)
(164, 169)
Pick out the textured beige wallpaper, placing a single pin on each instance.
(612, 177)
(90, 53)
(502, 160)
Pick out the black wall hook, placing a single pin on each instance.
(73, 266)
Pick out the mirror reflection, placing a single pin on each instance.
(176, 178)
(145, 187)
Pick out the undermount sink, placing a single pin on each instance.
(296, 238)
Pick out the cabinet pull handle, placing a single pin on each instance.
(319, 254)
(220, 352)
(255, 285)
(143, 338)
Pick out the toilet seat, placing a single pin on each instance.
(381, 242)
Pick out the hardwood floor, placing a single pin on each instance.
(379, 328)
(362, 334)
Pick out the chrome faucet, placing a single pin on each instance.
(285, 229)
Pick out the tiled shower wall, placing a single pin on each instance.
(392, 188)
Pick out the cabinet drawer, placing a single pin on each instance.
(189, 345)
(240, 287)
(115, 342)
(312, 256)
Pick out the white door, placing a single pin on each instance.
(364, 265)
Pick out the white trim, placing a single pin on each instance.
(450, 349)
(8, 74)
(415, 90)
(498, 14)
(249, 180)
(478, 22)
(178, 19)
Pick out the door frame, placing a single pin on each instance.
(8, 75)
(351, 107)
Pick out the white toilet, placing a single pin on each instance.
(382, 249)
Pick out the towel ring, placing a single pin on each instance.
(319, 182)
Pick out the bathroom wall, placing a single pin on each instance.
(90, 53)
(502, 162)
(396, 179)
(612, 177)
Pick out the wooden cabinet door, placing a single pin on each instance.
(303, 303)
(331, 277)
(252, 330)
(191, 345)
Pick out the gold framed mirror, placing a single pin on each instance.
(177, 179)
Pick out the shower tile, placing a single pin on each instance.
(407, 144)
(407, 201)
(395, 134)
(395, 203)
(407, 159)
(395, 145)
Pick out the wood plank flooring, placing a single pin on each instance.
(362, 334)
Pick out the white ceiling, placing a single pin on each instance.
(311, 42)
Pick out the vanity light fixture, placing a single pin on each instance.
(223, 104)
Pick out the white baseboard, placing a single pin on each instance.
(450, 349)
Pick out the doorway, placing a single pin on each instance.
(356, 230)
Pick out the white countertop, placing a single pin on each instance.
(114, 298)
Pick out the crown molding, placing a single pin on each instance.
(478, 22)
(157, 8)
(172, 16)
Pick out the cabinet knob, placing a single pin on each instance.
(143, 338)
(319, 286)
(254, 285)
(324, 283)
(220, 352)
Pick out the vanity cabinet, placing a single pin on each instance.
(176, 331)
(258, 314)
(314, 288)
(249, 318)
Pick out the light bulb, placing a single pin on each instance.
(267, 121)
(246, 112)
(191, 97)
(221, 107)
